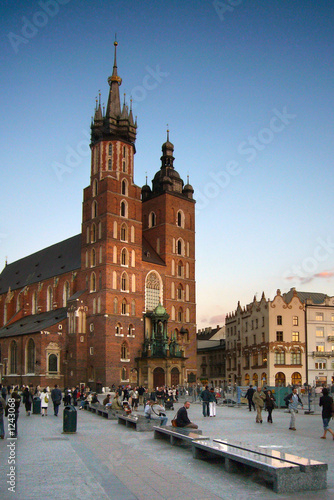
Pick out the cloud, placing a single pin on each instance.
(308, 279)
(217, 320)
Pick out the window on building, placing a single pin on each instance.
(279, 336)
(49, 298)
(93, 282)
(263, 337)
(254, 339)
(294, 320)
(180, 246)
(110, 149)
(124, 351)
(94, 209)
(319, 332)
(118, 329)
(321, 365)
(180, 218)
(31, 357)
(34, 304)
(124, 257)
(179, 292)
(246, 340)
(53, 363)
(124, 209)
(296, 357)
(279, 320)
(13, 357)
(66, 293)
(180, 315)
(110, 164)
(152, 219)
(320, 347)
(256, 323)
(295, 336)
(124, 187)
(124, 307)
(153, 291)
(115, 305)
(124, 232)
(279, 357)
(319, 316)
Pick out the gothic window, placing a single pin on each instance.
(180, 247)
(87, 234)
(180, 218)
(124, 257)
(110, 164)
(131, 329)
(93, 233)
(124, 232)
(118, 329)
(180, 315)
(94, 209)
(66, 293)
(124, 187)
(133, 308)
(124, 209)
(93, 258)
(124, 282)
(153, 291)
(93, 282)
(34, 303)
(13, 357)
(180, 269)
(49, 298)
(110, 149)
(124, 375)
(152, 220)
(124, 307)
(95, 187)
(180, 292)
(115, 305)
(53, 363)
(124, 351)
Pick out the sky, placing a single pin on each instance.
(246, 90)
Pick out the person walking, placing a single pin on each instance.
(269, 405)
(294, 401)
(205, 397)
(2, 411)
(212, 403)
(326, 401)
(249, 395)
(56, 399)
(44, 402)
(258, 400)
(27, 399)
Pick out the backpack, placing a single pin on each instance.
(287, 399)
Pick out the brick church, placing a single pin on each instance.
(114, 304)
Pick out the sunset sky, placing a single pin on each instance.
(246, 88)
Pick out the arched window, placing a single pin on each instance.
(95, 185)
(93, 282)
(93, 258)
(124, 232)
(124, 187)
(49, 298)
(280, 379)
(180, 218)
(131, 329)
(110, 164)
(180, 269)
(124, 209)
(34, 303)
(124, 351)
(93, 233)
(255, 379)
(100, 230)
(18, 303)
(124, 257)
(110, 149)
(31, 356)
(94, 209)
(118, 329)
(133, 308)
(180, 292)
(180, 247)
(296, 379)
(115, 305)
(124, 307)
(124, 375)
(66, 293)
(13, 358)
(124, 282)
(180, 315)
(247, 379)
(153, 291)
(152, 220)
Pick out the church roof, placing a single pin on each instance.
(34, 323)
(150, 255)
(317, 298)
(52, 261)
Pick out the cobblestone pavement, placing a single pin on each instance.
(107, 461)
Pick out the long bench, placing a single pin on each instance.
(286, 473)
(138, 422)
(177, 435)
(101, 410)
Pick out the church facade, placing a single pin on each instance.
(116, 303)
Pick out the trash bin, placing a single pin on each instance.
(70, 419)
(36, 406)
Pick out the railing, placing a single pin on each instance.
(323, 354)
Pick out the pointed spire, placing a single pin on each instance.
(130, 114)
(114, 106)
(98, 111)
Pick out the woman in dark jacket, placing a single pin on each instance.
(326, 402)
(270, 405)
(27, 400)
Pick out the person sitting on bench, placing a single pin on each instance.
(182, 419)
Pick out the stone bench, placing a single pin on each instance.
(177, 435)
(138, 422)
(101, 410)
(286, 473)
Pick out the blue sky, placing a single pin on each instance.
(246, 88)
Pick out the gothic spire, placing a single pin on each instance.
(114, 105)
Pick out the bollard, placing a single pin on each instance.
(69, 420)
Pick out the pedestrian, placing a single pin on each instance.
(56, 399)
(293, 401)
(2, 411)
(3, 391)
(44, 402)
(326, 401)
(13, 403)
(205, 397)
(249, 395)
(258, 400)
(270, 405)
(27, 397)
(106, 400)
(182, 419)
(212, 403)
